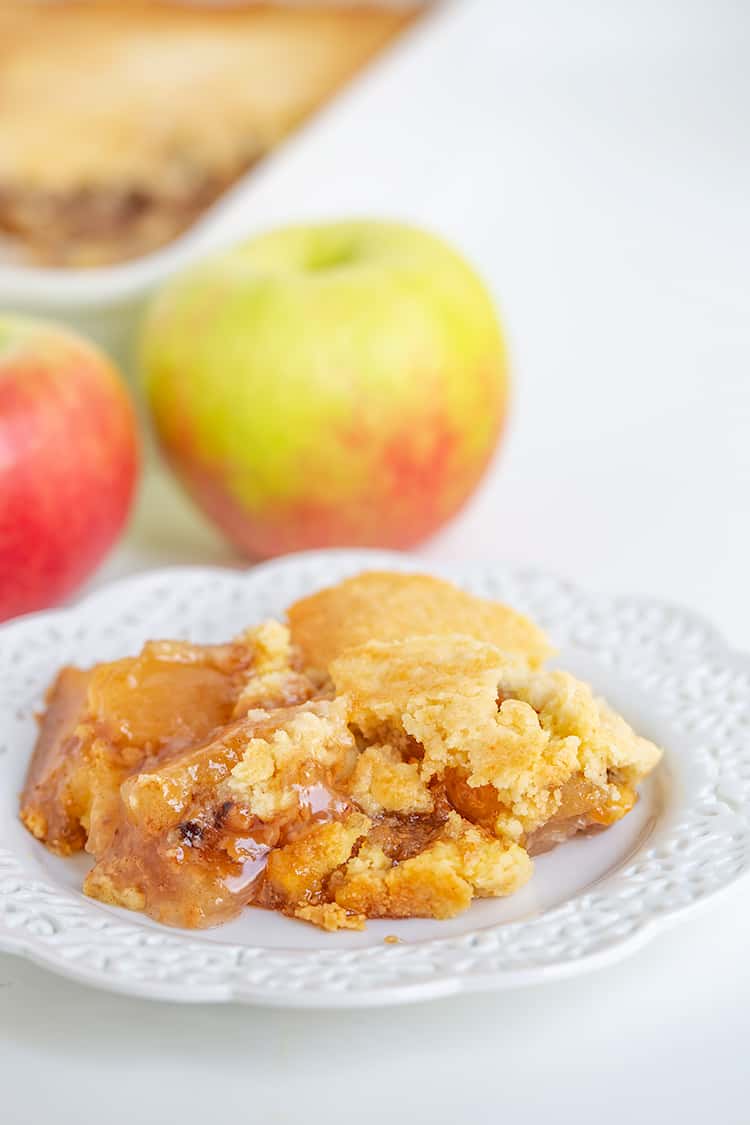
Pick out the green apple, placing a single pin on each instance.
(327, 385)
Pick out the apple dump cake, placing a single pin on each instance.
(396, 749)
(121, 122)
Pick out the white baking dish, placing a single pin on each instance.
(296, 183)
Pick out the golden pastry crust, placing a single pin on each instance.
(170, 103)
(386, 606)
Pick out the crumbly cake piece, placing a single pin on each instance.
(330, 916)
(385, 780)
(462, 863)
(276, 770)
(500, 736)
(390, 867)
(170, 104)
(401, 777)
(387, 606)
(277, 678)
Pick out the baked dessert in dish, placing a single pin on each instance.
(396, 749)
(121, 122)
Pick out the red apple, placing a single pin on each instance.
(68, 461)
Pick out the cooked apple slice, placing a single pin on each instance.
(270, 755)
(103, 723)
(191, 836)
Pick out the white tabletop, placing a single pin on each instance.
(593, 160)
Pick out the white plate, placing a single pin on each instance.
(591, 901)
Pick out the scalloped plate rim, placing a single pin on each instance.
(395, 995)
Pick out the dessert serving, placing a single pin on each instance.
(396, 749)
(121, 122)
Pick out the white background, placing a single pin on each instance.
(593, 159)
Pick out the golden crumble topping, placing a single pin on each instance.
(492, 725)
(384, 606)
(276, 678)
(383, 782)
(330, 777)
(462, 862)
(274, 767)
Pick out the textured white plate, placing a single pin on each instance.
(590, 901)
